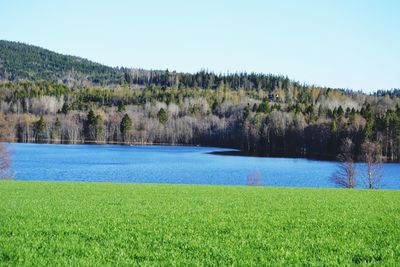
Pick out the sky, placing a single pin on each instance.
(351, 44)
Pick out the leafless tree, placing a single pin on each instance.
(254, 179)
(5, 162)
(345, 175)
(371, 154)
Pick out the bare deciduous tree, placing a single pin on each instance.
(254, 179)
(5, 162)
(345, 176)
(371, 155)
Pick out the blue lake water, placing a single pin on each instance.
(170, 164)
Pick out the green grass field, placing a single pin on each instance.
(52, 223)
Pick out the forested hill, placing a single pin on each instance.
(52, 98)
(20, 61)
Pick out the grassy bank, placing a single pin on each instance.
(91, 223)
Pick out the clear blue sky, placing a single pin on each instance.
(339, 43)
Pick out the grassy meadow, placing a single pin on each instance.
(54, 223)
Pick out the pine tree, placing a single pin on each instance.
(40, 129)
(162, 116)
(246, 112)
(126, 127)
(65, 108)
(121, 107)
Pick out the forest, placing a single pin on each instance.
(51, 98)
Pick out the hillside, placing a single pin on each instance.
(20, 61)
(53, 98)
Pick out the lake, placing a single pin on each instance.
(170, 164)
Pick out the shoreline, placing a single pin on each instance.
(182, 185)
(239, 153)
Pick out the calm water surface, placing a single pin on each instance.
(170, 164)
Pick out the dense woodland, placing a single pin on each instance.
(48, 97)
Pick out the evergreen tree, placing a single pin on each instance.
(56, 133)
(121, 107)
(94, 126)
(65, 108)
(264, 107)
(246, 112)
(40, 128)
(91, 118)
(162, 116)
(126, 127)
(255, 107)
(340, 111)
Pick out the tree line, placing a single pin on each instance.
(297, 121)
